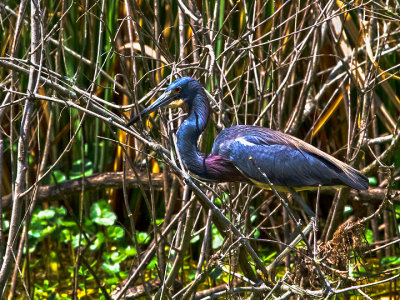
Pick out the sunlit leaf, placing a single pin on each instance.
(372, 181)
(118, 256)
(130, 251)
(47, 230)
(112, 280)
(217, 239)
(195, 239)
(369, 236)
(192, 275)
(60, 210)
(97, 242)
(348, 209)
(111, 268)
(67, 223)
(390, 261)
(141, 237)
(152, 263)
(78, 240)
(59, 177)
(46, 214)
(270, 257)
(65, 235)
(6, 224)
(76, 171)
(101, 213)
(115, 232)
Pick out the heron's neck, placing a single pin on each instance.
(190, 131)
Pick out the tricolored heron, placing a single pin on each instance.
(249, 153)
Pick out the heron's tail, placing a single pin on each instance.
(354, 179)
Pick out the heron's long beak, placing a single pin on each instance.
(164, 100)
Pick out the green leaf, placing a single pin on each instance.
(34, 263)
(141, 237)
(357, 270)
(68, 223)
(253, 218)
(82, 271)
(112, 280)
(111, 268)
(46, 214)
(390, 261)
(97, 242)
(362, 270)
(60, 210)
(225, 196)
(192, 275)
(59, 177)
(76, 171)
(75, 241)
(118, 257)
(270, 257)
(301, 244)
(369, 236)
(195, 239)
(101, 214)
(130, 251)
(217, 239)
(89, 227)
(34, 233)
(115, 232)
(47, 231)
(65, 235)
(397, 209)
(152, 263)
(32, 246)
(372, 181)
(6, 224)
(348, 209)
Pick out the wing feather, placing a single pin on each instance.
(286, 160)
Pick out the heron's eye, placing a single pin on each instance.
(177, 90)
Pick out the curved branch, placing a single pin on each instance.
(93, 182)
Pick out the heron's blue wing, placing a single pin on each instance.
(286, 161)
(282, 165)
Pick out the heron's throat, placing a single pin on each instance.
(190, 131)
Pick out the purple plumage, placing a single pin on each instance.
(251, 153)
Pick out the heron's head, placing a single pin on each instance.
(177, 93)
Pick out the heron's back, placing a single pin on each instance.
(287, 161)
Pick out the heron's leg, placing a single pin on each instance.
(300, 201)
